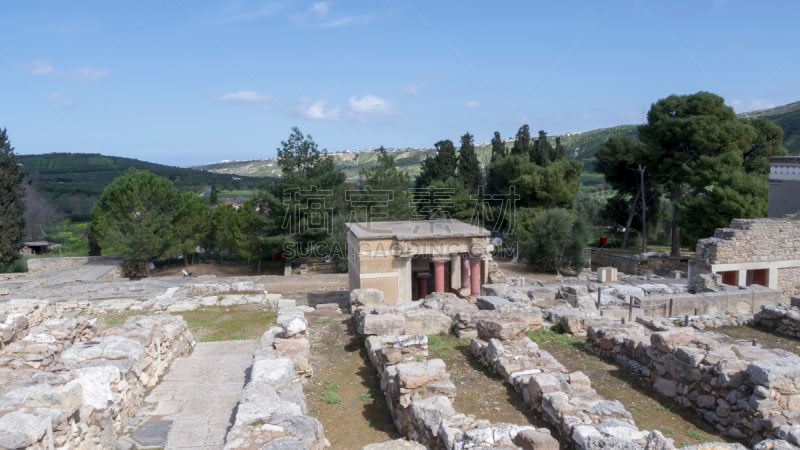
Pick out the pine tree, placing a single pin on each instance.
(12, 207)
(469, 169)
(439, 167)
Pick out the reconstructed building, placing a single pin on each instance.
(753, 251)
(408, 260)
(784, 186)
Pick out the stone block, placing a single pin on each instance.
(487, 302)
(366, 297)
(293, 324)
(414, 375)
(579, 381)
(397, 444)
(502, 328)
(665, 387)
(389, 324)
(536, 439)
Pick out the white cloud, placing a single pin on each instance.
(59, 98)
(347, 21)
(237, 12)
(318, 111)
(91, 73)
(472, 104)
(753, 104)
(320, 9)
(246, 97)
(369, 104)
(40, 67)
(412, 89)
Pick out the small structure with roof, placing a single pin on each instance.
(407, 260)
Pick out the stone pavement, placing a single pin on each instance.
(191, 408)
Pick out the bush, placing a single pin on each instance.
(557, 241)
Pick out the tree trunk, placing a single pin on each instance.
(677, 193)
(186, 260)
(631, 213)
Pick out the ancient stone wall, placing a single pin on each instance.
(272, 412)
(780, 318)
(752, 240)
(66, 387)
(419, 391)
(565, 401)
(747, 392)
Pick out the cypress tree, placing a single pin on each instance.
(12, 207)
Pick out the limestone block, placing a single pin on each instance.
(431, 411)
(579, 381)
(536, 439)
(427, 322)
(21, 428)
(397, 444)
(120, 351)
(366, 297)
(414, 375)
(502, 328)
(381, 324)
(780, 374)
(96, 383)
(491, 302)
(292, 324)
(495, 290)
(665, 387)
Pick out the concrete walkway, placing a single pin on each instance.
(192, 406)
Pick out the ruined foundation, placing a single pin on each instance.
(747, 392)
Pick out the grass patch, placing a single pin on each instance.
(696, 435)
(554, 337)
(443, 345)
(331, 394)
(214, 323)
(325, 321)
(228, 324)
(366, 396)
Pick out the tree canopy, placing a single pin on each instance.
(696, 145)
(136, 217)
(12, 207)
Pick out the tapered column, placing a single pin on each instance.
(422, 284)
(438, 275)
(465, 279)
(475, 275)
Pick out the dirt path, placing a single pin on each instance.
(361, 415)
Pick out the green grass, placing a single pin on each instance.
(215, 323)
(331, 394)
(366, 396)
(554, 337)
(443, 345)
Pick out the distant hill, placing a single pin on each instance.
(788, 118)
(580, 146)
(72, 182)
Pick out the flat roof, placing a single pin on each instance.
(416, 229)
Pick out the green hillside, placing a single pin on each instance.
(580, 146)
(788, 118)
(72, 182)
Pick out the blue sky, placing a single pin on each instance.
(186, 82)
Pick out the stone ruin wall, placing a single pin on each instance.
(419, 391)
(66, 386)
(746, 392)
(752, 240)
(755, 240)
(272, 411)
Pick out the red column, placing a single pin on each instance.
(465, 281)
(438, 275)
(475, 275)
(422, 284)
